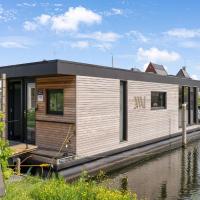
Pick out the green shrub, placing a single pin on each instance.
(32, 188)
(5, 151)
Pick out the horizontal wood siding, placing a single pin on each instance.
(146, 124)
(98, 114)
(51, 130)
(52, 135)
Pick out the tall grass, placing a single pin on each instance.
(33, 188)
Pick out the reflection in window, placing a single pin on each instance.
(55, 101)
(158, 100)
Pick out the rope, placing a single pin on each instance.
(67, 138)
(41, 165)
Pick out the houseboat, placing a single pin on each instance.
(90, 112)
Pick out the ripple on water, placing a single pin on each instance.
(173, 175)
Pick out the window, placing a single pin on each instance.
(123, 111)
(158, 100)
(198, 104)
(55, 101)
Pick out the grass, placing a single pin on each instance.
(34, 188)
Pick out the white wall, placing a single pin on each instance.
(98, 111)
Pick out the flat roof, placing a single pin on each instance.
(62, 67)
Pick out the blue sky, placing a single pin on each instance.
(135, 32)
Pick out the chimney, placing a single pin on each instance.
(184, 68)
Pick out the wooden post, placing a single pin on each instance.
(18, 164)
(2, 186)
(4, 101)
(184, 134)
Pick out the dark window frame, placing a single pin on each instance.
(165, 101)
(124, 133)
(48, 102)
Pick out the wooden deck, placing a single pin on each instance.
(21, 148)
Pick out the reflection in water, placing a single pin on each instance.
(163, 191)
(124, 184)
(174, 175)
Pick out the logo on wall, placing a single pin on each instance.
(139, 102)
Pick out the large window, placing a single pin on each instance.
(55, 101)
(158, 100)
(123, 111)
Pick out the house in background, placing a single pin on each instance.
(100, 110)
(156, 69)
(183, 73)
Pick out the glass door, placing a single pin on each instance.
(15, 110)
(30, 112)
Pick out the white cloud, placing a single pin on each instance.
(101, 36)
(154, 54)
(190, 44)
(117, 11)
(44, 4)
(184, 33)
(136, 35)
(80, 44)
(69, 21)
(7, 15)
(15, 42)
(58, 4)
(43, 19)
(145, 66)
(194, 76)
(100, 40)
(30, 26)
(12, 44)
(40, 20)
(113, 11)
(26, 4)
(103, 46)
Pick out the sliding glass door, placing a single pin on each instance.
(30, 112)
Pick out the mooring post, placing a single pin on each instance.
(2, 185)
(184, 134)
(18, 166)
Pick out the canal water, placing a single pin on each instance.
(173, 175)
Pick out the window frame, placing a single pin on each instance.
(165, 101)
(124, 114)
(48, 111)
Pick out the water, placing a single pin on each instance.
(174, 175)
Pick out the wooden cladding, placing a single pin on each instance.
(52, 129)
(98, 114)
(68, 84)
(52, 135)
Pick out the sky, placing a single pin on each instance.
(134, 32)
